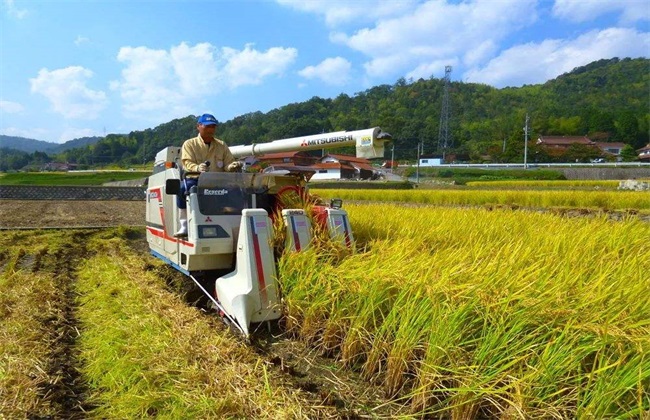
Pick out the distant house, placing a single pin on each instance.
(285, 158)
(644, 153)
(607, 149)
(611, 149)
(563, 142)
(58, 166)
(332, 170)
(362, 167)
(430, 160)
(296, 158)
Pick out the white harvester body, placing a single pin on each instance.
(228, 250)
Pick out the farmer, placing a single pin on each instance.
(201, 154)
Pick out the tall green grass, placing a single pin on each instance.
(475, 313)
(69, 178)
(603, 200)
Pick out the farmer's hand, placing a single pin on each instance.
(235, 166)
(203, 167)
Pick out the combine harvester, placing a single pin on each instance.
(228, 251)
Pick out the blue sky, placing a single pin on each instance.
(70, 69)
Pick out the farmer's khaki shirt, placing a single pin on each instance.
(195, 151)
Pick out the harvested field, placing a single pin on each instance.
(43, 213)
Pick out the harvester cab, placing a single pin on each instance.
(228, 251)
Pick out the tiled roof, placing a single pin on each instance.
(605, 145)
(331, 165)
(347, 158)
(644, 149)
(564, 140)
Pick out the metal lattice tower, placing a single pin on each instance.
(444, 136)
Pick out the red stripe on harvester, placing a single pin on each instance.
(258, 264)
(164, 234)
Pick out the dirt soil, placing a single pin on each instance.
(47, 214)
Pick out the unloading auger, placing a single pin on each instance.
(228, 251)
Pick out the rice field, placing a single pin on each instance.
(543, 199)
(468, 312)
(556, 184)
(471, 313)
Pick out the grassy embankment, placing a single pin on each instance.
(69, 178)
(476, 313)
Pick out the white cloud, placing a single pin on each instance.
(80, 40)
(75, 133)
(196, 68)
(150, 84)
(11, 107)
(249, 66)
(333, 71)
(537, 62)
(480, 53)
(13, 11)
(169, 83)
(438, 31)
(586, 10)
(67, 92)
(338, 13)
(434, 68)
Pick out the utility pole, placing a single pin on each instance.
(444, 137)
(392, 158)
(526, 143)
(417, 170)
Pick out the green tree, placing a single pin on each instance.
(628, 154)
(627, 127)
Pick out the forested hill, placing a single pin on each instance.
(31, 145)
(606, 100)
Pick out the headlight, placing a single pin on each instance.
(212, 231)
(208, 232)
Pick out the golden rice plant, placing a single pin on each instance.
(474, 313)
(601, 200)
(579, 183)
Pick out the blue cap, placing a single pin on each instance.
(207, 119)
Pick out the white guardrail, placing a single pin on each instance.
(538, 165)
